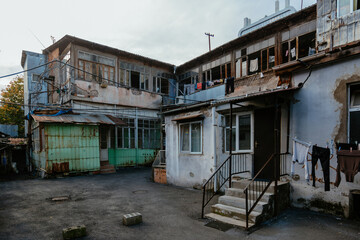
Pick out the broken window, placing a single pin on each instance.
(354, 114)
(135, 79)
(191, 137)
(307, 44)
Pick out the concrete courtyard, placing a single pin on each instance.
(99, 202)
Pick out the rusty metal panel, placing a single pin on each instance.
(72, 148)
(91, 119)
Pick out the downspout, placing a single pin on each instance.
(214, 141)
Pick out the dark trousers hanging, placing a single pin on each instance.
(324, 155)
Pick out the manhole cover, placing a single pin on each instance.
(140, 191)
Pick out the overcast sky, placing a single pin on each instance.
(167, 30)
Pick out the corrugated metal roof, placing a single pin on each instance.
(91, 119)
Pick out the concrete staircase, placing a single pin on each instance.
(106, 168)
(231, 208)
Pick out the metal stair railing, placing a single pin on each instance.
(257, 188)
(160, 160)
(234, 164)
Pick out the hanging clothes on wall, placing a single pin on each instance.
(300, 152)
(348, 163)
(322, 154)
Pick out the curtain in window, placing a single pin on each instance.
(184, 133)
(196, 137)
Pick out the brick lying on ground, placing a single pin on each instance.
(74, 232)
(132, 219)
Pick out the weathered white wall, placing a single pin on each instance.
(184, 169)
(319, 115)
(93, 92)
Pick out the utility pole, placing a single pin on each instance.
(209, 35)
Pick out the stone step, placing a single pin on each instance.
(106, 167)
(240, 203)
(228, 220)
(236, 192)
(243, 183)
(107, 171)
(233, 212)
(103, 163)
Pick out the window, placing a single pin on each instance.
(94, 71)
(242, 132)
(191, 137)
(164, 86)
(135, 79)
(36, 78)
(148, 134)
(347, 6)
(126, 134)
(354, 114)
(298, 47)
(97, 68)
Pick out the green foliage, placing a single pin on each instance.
(13, 113)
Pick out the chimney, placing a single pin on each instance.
(277, 5)
(247, 22)
(287, 3)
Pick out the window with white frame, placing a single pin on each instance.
(354, 114)
(191, 137)
(126, 134)
(347, 6)
(242, 132)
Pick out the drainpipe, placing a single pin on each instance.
(214, 141)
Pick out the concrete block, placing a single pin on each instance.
(74, 232)
(132, 219)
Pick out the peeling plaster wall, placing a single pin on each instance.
(184, 169)
(319, 115)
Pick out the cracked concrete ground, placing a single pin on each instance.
(28, 212)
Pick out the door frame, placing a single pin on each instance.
(103, 150)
